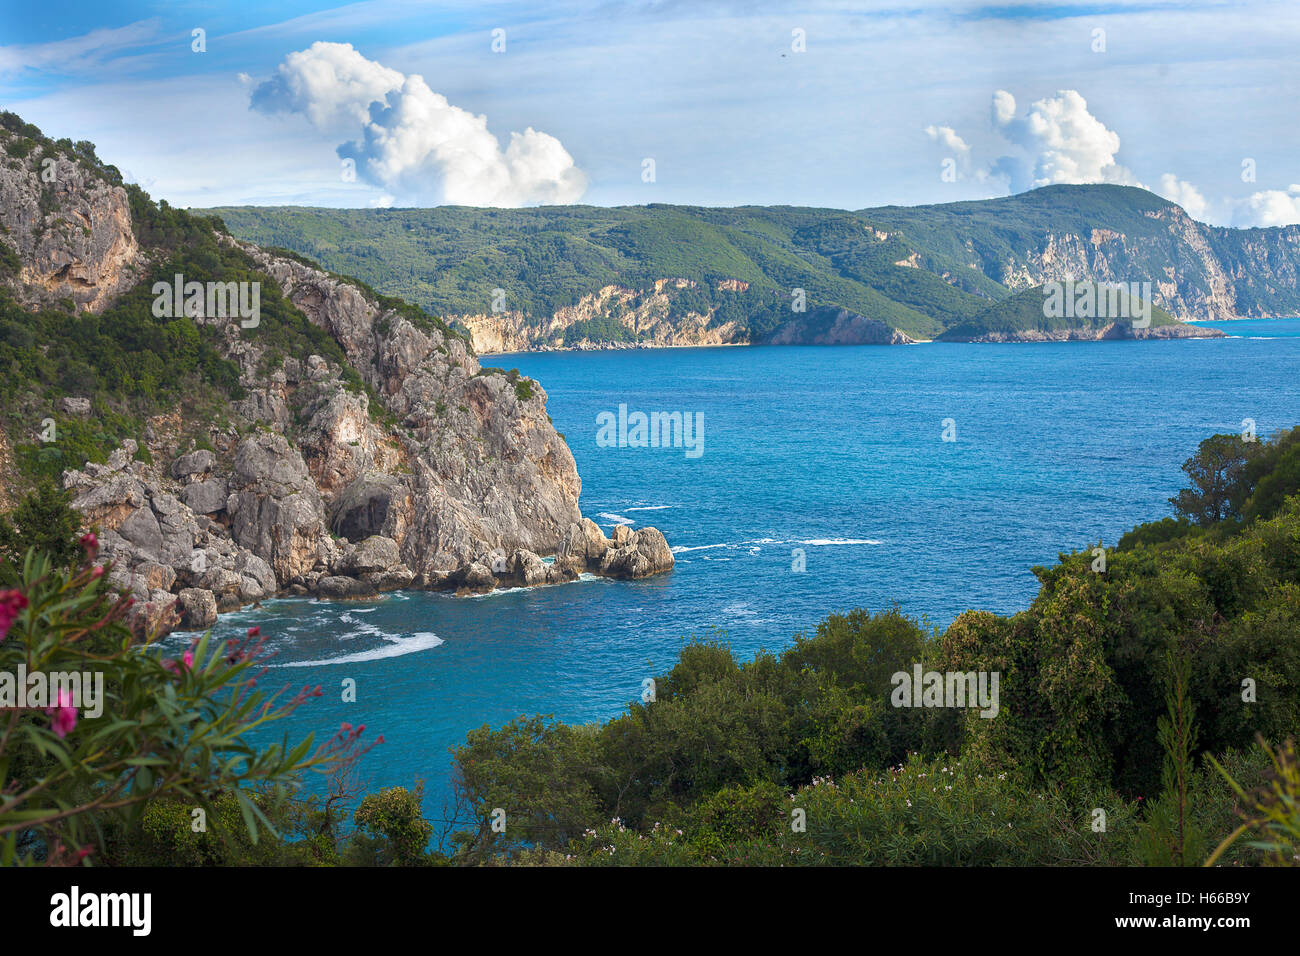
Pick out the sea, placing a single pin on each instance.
(822, 479)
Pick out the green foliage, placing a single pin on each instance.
(1271, 809)
(160, 731)
(1170, 837)
(921, 813)
(391, 818)
(171, 833)
(451, 259)
(539, 772)
(43, 521)
(1026, 311)
(602, 328)
(1218, 475)
(921, 269)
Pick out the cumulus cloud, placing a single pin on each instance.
(411, 141)
(1063, 141)
(1004, 108)
(947, 137)
(1271, 207)
(1184, 194)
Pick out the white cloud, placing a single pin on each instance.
(1269, 207)
(1065, 142)
(412, 142)
(79, 53)
(948, 138)
(1184, 194)
(1004, 108)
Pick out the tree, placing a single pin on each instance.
(43, 520)
(1217, 471)
(393, 831)
(1170, 837)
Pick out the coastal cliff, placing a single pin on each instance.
(583, 277)
(329, 441)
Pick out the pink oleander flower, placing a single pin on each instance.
(97, 571)
(90, 542)
(11, 605)
(65, 715)
(188, 659)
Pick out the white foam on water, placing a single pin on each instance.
(682, 549)
(395, 647)
(650, 508)
(821, 542)
(617, 519)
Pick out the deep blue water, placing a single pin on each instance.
(834, 451)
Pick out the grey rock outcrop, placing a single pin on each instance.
(198, 608)
(72, 235)
(392, 460)
(630, 554)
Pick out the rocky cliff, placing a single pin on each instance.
(398, 462)
(589, 277)
(1193, 280)
(613, 317)
(68, 230)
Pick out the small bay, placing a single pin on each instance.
(832, 459)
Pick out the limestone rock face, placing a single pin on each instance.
(276, 510)
(392, 460)
(481, 464)
(375, 553)
(630, 554)
(205, 497)
(156, 543)
(198, 608)
(582, 546)
(72, 235)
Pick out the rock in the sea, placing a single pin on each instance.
(198, 608)
(582, 546)
(339, 587)
(393, 579)
(630, 554)
(526, 568)
(644, 553)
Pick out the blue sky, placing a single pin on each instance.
(827, 104)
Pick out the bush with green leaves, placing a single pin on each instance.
(76, 767)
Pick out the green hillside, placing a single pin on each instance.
(988, 233)
(450, 259)
(1027, 312)
(920, 269)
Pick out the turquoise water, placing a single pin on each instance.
(836, 452)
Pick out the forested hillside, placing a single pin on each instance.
(561, 275)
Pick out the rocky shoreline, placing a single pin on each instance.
(1116, 331)
(174, 542)
(367, 454)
